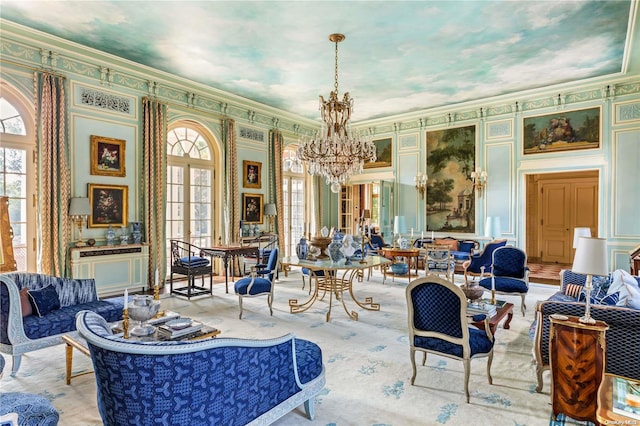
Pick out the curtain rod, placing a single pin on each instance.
(29, 67)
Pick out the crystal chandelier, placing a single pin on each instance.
(336, 152)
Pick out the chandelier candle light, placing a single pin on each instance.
(336, 153)
(479, 178)
(421, 183)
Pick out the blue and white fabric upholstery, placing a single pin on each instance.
(21, 334)
(219, 381)
(261, 281)
(439, 261)
(438, 324)
(480, 264)
(17, 408)
(623, 335)
(510, 273)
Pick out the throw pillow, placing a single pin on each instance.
(600, 298)
(621, 280)
(633, 299)
(573, 290)
(452, 244)
(25, 304)
(44, 300)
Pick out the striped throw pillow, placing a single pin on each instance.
(573, 290)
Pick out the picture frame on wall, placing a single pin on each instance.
(108, 205)
(251, 174)
(107, 156)
(384, 154)
(450, 195)
(562, 131)
(252, 208)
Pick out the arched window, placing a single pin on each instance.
(17, 173)
(293, 190)
(190, 185)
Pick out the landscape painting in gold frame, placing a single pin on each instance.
(384, 150)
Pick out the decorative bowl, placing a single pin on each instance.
(179, 324)
(400, 268)
(472, 292)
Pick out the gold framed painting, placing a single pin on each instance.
(107, 156)
(251, 174)
(562, 131)
(384, 154)
(252, 205)
(108, 205)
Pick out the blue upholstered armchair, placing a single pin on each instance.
(219, 381)
(261, 281)
(510, 273)
(438, 324)
(480, 264)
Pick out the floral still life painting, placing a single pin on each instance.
(107, 156)
(563, 131)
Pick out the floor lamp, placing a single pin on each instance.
(590, 260)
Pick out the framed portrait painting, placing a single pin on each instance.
(107, 156)
(108, 205)
(562, 131)
(383, 154)
(252, 208)
(251, 174)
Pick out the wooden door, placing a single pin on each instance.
(556, 222)
(566, 204)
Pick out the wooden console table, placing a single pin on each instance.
(227, 253)
(577, 359)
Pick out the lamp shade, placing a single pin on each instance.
(580, 232)
(366, 214)
(493, 227)
(270, 209)
(399, 225)
(79, 206)
(591, 257)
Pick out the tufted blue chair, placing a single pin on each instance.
(510, 273)
(480, 264)
(187, 259)
(18, 409)
(438, 324)
(221, 381)
(261, 281)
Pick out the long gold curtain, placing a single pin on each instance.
(232, 209)
(54, 182)
(275, 181)
(154, 181)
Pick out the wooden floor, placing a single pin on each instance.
(546, 273)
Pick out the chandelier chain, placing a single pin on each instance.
(335, 84)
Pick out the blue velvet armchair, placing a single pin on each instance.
(261, 281)
(219, 381)
(438, 324)
(480, 264)
(510, 273)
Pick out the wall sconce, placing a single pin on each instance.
(270, 212)
(421, 183)
(79, 211)
(479, 177)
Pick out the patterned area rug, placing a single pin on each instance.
(368, 370)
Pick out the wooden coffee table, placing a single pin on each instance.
(504, 310)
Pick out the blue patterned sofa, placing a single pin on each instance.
(220, 381)
(21, 334)
(622, 337)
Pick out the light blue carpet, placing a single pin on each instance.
(367, 363)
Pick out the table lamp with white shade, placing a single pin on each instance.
(580, 232)
(399, 227)
(493, 227)
(590, 260)
(270, 211)
(79, 211)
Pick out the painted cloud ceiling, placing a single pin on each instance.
(398, 56)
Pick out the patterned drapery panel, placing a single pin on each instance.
(54, 182)
(154, 182)
(276, 143)
(318, 211)
(232, 191)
